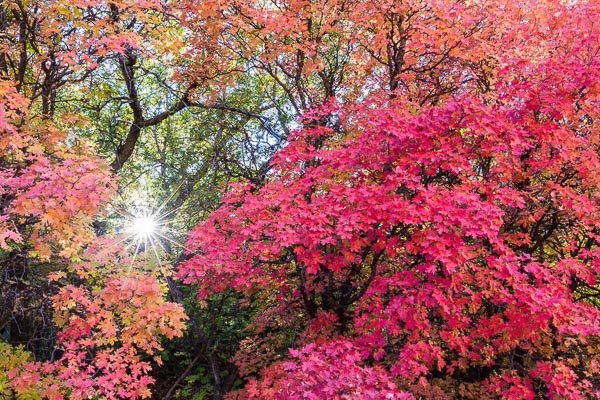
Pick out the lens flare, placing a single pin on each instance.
(144, 227)
(147, 232)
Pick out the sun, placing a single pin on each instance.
(147, 231)
(144, 227)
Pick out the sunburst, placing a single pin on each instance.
(146, 230)
(144, 227)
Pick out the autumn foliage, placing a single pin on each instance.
(430, 230)
(51, 191)
(433, 235)
(106, 318)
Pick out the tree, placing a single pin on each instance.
(427, 228)
(103, 71)
(77, 321)
(434, 238)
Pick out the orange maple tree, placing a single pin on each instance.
(107, 317)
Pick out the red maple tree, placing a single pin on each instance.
(435, 236)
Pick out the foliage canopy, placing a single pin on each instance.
(410, 199)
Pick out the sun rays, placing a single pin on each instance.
(144, 227)
(147, 233)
